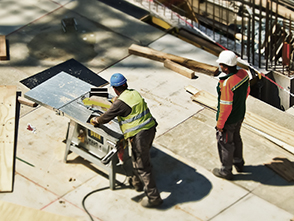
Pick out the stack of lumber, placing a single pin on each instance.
(283, 167)
(176, 63)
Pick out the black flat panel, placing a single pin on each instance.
(71, 67)
(126, 8)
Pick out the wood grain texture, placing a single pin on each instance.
(14, 212)
(161, 56)
(179, 69)
(7, 136)
(27, 102)
(3, 49)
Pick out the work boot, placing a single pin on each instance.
(138, 186)
(239, 166)
(147, 203)
(217, 172)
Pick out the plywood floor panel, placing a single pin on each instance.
(7, 136)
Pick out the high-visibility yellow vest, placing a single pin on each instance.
(139, 119)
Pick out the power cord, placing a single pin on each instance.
(100, 189)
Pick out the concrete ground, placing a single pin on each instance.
(184, 150)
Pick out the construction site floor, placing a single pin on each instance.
(184, 151)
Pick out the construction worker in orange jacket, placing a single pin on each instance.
(233, 89)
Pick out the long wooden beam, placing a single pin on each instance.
(7, 136)
(161, 56)
(3, 49)
(179, 69)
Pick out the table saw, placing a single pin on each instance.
(64, 94)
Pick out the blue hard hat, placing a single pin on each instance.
(117, 80)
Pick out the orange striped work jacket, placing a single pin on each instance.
(232, 89)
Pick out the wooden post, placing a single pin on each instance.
(3, 48)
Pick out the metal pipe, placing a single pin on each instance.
(249, 36)
(213, 18)
(198, 12)
(253, 33)
(275, 39)
(242, 31)
(290, 23)
(227, 22)
(259, 34)
(266, 34)
(235, 31)
(271, 34)
(206, 14)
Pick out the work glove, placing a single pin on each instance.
(220, 135)
(94, 121)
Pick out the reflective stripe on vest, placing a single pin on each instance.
(139, 126)
(140, 117)
(134, 118)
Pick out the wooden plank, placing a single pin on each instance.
(27, 102)
(282, 166)
(14, 212)
(270, 128)
(7, 136)
(161, 57)
(206, 99)
(191, 89)
(200, 42)
(179, 69)
(3, 49)
(252, 120)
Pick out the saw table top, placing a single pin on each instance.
(64, 93)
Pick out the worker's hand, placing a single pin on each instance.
(219, 129)
(94, 121)
(113, 99)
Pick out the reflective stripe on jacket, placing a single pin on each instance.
(233, 89)
(139, 119)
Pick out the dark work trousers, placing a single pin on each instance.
(230, 146)
(141, 144)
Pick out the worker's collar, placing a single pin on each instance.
(224, 76)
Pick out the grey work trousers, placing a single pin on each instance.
(141, 144)
(230, 146)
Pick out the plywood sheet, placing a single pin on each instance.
(14, 212)
(7, 136)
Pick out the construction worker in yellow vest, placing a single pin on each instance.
(139, 127)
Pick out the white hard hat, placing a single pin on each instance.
(228, 58)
